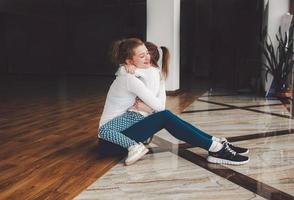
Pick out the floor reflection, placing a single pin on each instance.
(175, 170)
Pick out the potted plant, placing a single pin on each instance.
(279, 61)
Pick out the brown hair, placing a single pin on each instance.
(123, 49)
(154, 57)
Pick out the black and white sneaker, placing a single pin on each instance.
(227, 156)
(239, 150)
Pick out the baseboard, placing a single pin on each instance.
(174, 92)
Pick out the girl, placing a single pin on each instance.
(138, 127)
(121, 104)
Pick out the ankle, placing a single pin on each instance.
(133, 146)
(215, 146)
(216, 139)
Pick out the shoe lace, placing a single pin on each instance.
(227, 148)
(228, 144)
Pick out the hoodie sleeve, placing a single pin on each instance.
(138, 88)
(161, 94)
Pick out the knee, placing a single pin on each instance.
(166, 112)
(101, 132)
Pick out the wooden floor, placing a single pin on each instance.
(48, 134)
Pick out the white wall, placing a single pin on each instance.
(163, 29)
(277, 8)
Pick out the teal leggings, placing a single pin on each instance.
(139, 129)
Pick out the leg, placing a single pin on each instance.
(239, 150)
(111, 131)
(218, 152)
(196, 129)
(173, 124)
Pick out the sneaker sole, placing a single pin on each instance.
(223, 161)
(137, 157)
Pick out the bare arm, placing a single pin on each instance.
(141, 106)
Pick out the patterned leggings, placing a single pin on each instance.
(112, 130)
(132, 127)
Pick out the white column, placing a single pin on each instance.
(163, 29)
(277, 8)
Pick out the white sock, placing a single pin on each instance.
(216, 139)
(221, 139)
(215, 146)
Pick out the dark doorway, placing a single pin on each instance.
(220, 42)
(65, 37)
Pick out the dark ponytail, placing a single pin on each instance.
(154, 57)
(165, 61)
(114, 53)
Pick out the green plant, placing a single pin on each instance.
(279, 60)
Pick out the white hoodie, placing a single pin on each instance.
(145, 84)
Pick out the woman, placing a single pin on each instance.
(137, 127)
(122, 109)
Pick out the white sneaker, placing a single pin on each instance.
(136, 152)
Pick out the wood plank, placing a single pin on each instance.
(49, 146)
